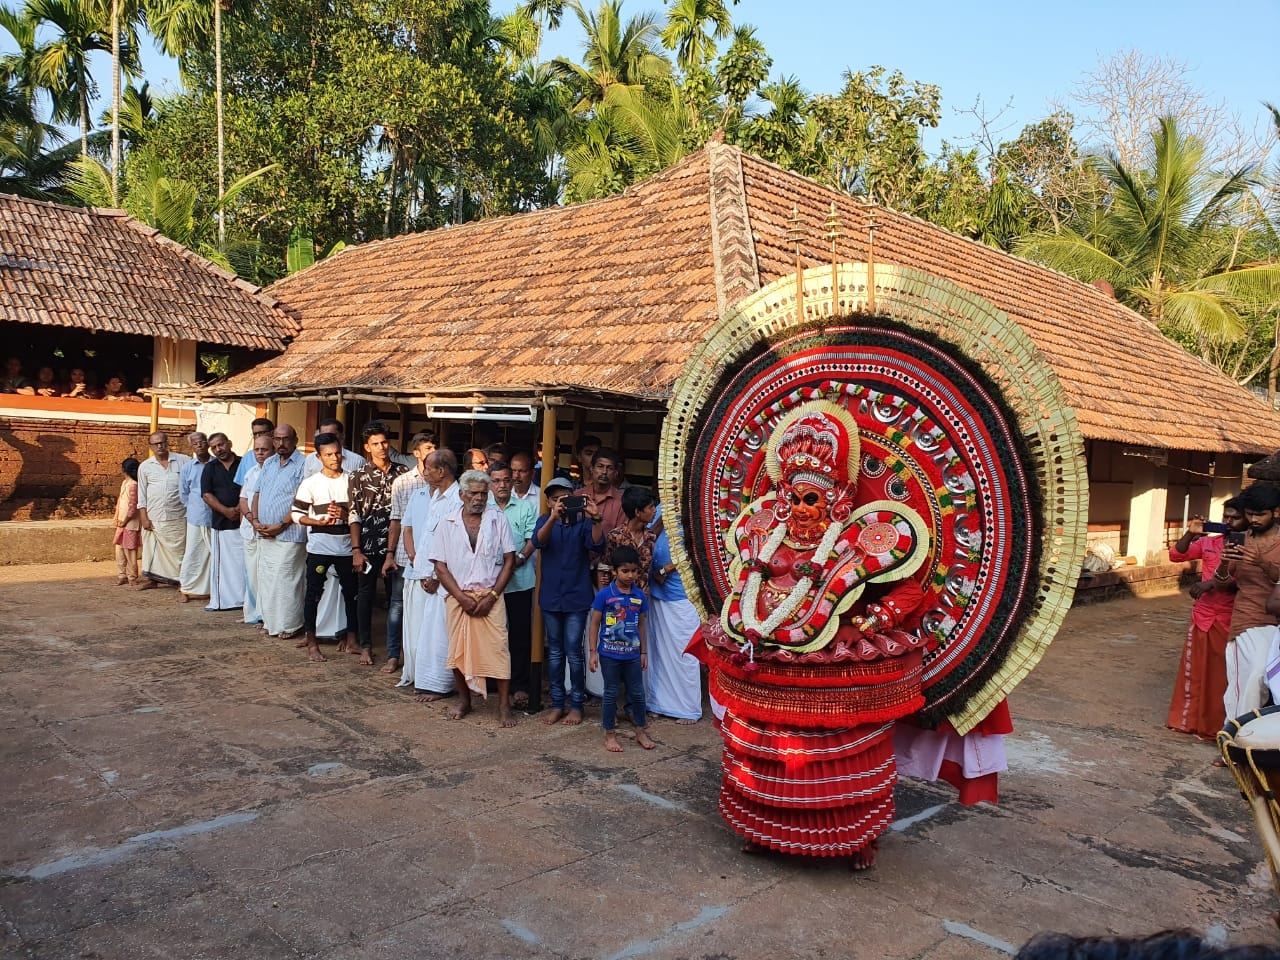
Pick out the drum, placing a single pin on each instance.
(1250, 746)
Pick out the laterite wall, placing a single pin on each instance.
(64, 469)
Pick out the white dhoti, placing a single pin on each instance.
(920, 752)
(280, 584)
(673, 682)
(411, 606)
(331, 615)
(226, 570)
(426, 648)
(194, 577)
(1246, 671)
(162, 550)
(251, 612)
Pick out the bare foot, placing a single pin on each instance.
(147, 585)
(865, 858)
(314, 654)
(520, 701)
(304, 642)
(429, 696)
(573, 718)
(554, 715)
(183, 598)
(460, 711)
(642, 738)
(121, 581)
(366, 657)
(611, 742)
(505, 719)
(392, 665)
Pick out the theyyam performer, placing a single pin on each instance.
(883, 506)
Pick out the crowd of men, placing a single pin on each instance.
(300, 544)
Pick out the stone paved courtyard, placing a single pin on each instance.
(177, 788)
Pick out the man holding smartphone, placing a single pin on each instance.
(1201, 681)
(1253, 567)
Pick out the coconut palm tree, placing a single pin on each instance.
(1170, 239)
(613, 53)
(76, 29)
(546, 15)
(693, 27)
(181, 27)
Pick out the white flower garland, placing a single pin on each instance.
(751, 592)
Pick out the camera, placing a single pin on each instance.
(573, 507)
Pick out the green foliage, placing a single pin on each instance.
(1171, 238)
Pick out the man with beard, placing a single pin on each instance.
(220, 491)
(1254, 567)
(370, 495)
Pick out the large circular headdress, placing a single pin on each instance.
(957, 416)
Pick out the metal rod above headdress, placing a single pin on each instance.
(795, 234)
(871, 259)
(833, 234)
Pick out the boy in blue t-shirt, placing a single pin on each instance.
(617, 622)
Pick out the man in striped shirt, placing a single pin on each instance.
(282, 550)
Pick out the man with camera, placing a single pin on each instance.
(1253, 567)
(567, 534)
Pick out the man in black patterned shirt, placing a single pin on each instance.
(369, 488)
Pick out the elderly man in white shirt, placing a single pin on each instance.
(163, 514)
(474, 557)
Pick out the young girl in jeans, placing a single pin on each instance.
(618, 650)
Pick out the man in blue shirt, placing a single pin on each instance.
(566, 541)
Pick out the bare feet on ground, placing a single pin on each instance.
(573, 718)
(314, 654)
(865, 858)
(429, 696)
(554, 715)
(505, 718)
(642, 738)
(147, 585)
(391, 666)
(611, 742)
(460, 711)
(366, 657)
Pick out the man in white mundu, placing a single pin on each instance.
(426, 634)
(162, 513)
(282, 544)
(263, 447)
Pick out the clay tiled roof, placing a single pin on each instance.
(609, 297)
(102, 270)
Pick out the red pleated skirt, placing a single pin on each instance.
(817, 793)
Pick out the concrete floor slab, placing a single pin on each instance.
(180, 787)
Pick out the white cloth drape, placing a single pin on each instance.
(426, 640)
(194, 578)
(281, 565)
(226, 570)
(673, 682)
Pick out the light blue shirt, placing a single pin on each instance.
(277, 485)
(521, 516)
(199, 513)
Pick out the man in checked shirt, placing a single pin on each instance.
(369, 488)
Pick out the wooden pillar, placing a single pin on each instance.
(273, 411)
(155, 412)
(340, 413)
(404, 429)
(548, 473)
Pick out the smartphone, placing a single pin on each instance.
(574, 504)
(1235, 537)
(1211, 527)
